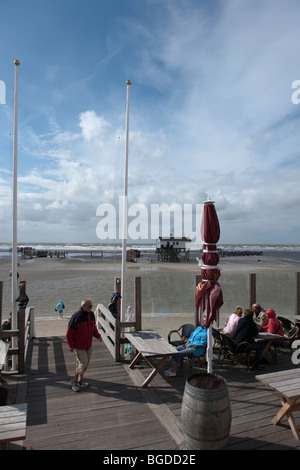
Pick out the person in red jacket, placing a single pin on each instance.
(81, 330)
(273, 326)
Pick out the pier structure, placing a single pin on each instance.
(172, 249)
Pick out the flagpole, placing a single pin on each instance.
(14, 275)
(125, 210)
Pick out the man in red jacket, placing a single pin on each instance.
(81, 330)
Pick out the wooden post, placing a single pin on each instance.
(297, 293)
(198, 279)
(21, 328)
(252, 289)
(138, 303)
(118, 326)
(1, 293)
(21, 353)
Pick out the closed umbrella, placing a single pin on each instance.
(209, 297)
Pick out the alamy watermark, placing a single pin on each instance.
(296, 353)
(2, 92)
(149, 223)
(296, 94)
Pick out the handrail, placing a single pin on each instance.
(24, 333)
(111, 328)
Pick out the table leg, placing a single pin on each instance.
(156, 369)
(286, 410)
(137, 358)
(266, 350)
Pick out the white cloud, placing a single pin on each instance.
(92, 126)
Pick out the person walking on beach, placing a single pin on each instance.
(60, 308)
(80, 332)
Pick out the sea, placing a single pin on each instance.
(78, 271)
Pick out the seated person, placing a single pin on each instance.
(262, 321)
(246, 331)
(197, 338)
(257, 310)
(273, 325)
(233, 321)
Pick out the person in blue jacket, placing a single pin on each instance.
(60, 308)
(197, 338)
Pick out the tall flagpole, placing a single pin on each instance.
(125, 210)
(14, 275)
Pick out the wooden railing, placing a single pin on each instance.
(111, 328)
(24, 332)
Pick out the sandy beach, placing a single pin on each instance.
(167, 288)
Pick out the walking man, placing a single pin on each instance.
(81, 330)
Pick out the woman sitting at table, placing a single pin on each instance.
(198, 338)
(273, 325)
(233, 321)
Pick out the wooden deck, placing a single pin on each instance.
(115, 413)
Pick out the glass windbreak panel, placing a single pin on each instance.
(276, 289)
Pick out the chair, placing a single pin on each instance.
(231, 350)
(288, 339)
(195, 359)
(218, 343)
(287, 324)
(183, 332)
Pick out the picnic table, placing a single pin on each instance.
(150, 346)
(12, 424)
(287, 384)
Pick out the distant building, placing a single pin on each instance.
(132, 255)
(172, 249)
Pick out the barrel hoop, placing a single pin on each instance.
(215, 396)
(207, 440)
(205, 413)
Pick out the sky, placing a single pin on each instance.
(214, 111)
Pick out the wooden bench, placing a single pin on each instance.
(13, 420)
(150, 345)
(287, 384)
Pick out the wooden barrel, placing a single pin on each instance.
(206, 412)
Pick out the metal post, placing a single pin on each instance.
(125, 204)
(14, 275)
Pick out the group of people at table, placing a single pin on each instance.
(240, 328)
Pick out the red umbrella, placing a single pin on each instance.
(209, 297)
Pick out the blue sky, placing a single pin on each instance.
(211, 113)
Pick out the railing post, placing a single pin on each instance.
(32, 323)
(118, 326)
(198, 279)
(21, 352)
(297, 293)
(138, 303)
(1, 294)
(252, 289)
